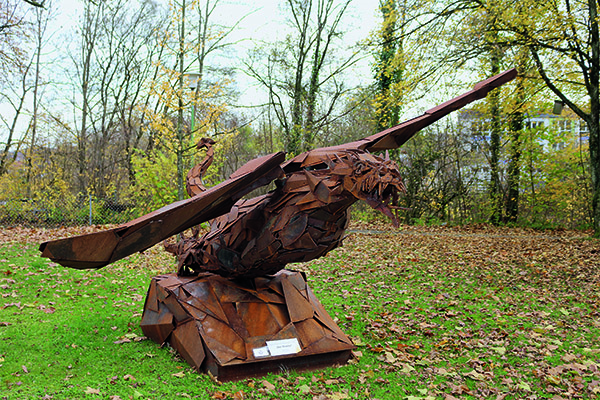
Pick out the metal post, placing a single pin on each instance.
(90, 196)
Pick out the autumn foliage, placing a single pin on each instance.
(435, 312)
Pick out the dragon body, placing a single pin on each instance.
(302, 219)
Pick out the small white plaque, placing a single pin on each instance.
(283, 347)
(261, 352)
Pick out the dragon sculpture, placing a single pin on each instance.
(232, 310)
(302, 219)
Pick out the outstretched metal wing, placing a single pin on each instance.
(396, 136)
(98, 249)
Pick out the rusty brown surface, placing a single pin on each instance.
(302, 219)
(225, 321)
(102, 248)
(194, 184)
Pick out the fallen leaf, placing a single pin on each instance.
(90, 390)
(406, 368)
(389, 358)
(357, 354)
(476, 376)
(268, 385)
(568, 357)
(304, 389)
(239, 395)
(339, 396)
(553, 379)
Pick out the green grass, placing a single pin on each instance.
(432, 317)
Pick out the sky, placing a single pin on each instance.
(266, 20)
(261, 20)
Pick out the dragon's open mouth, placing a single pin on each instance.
(385, 199)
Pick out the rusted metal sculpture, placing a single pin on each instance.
(243, 316)
(239, 329)
(302, 219)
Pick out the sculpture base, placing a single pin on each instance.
(236, 329)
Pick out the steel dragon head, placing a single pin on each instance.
(375, 180)
(355, 173)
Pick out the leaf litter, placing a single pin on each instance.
(435, 312)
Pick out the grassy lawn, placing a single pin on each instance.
(436, 313)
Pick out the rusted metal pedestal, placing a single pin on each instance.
(236, 329)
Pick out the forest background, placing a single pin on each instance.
(104, 129)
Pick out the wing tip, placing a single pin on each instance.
(497, 80)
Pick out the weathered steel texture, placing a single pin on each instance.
(217, 324)
(194, 185)
(302, 219)
(96, 250)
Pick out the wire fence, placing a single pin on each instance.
(76, 211)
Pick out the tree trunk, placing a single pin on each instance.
(180, 133)
(594, 117)
(495, 131)
(302, 21)
(311, 97)
(514, 161)
(41, 26)
(594, 128)
(387, 110)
